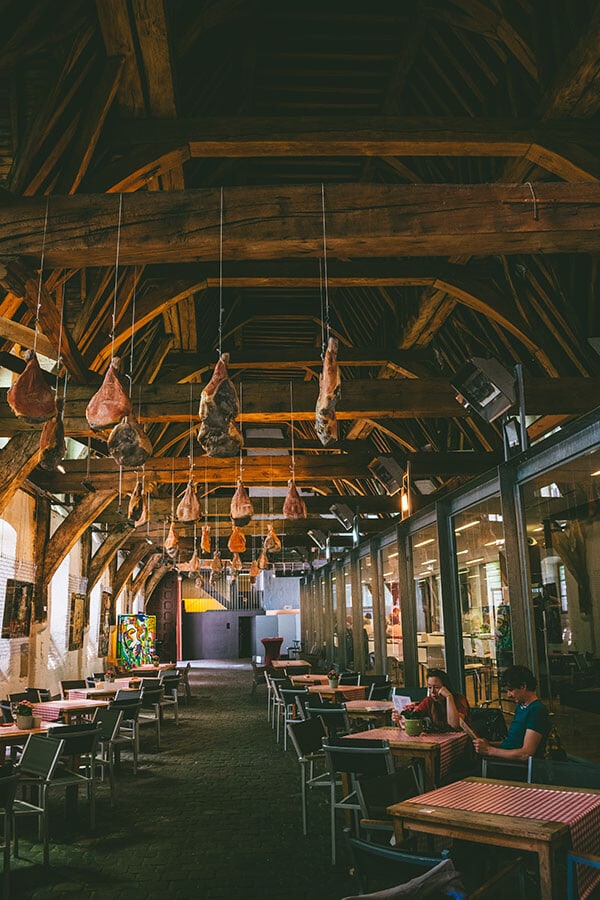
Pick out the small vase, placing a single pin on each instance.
(24, 722)
(333, 683)
(109, 679)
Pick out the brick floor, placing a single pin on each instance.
(215, 815)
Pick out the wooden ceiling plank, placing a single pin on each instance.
(434, 308)
(70, 530)
(98, 103)
(113, 16)
(158, 357)
(268, 222)
(25, 337)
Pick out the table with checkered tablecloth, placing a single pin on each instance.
(493, 812)
(52, 710)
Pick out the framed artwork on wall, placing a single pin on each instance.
(17, 609)
(136, 635)
(76, 621)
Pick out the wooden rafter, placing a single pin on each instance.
(68, 533)
(105, 553)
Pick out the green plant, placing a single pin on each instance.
(24, 708)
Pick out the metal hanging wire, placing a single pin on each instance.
(293, 465)
(132, 332)
(114, 313)
(219, 349)
(241, 457)
(40, 280)
(325, 284)
(191, 452)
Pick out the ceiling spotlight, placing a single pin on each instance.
(343, 514)
(485, 387)
(318, 538)
(388, 472)
(60, 468)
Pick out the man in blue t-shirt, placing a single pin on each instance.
(530, 726)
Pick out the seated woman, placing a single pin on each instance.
(442, 705)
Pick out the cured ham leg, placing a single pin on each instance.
(271, 543)
(294, 506)
(263, 559)
(111, 402)
(188, 509)
(205, 539)
(330, 389)
(219, 406)
(52, 441)
(241, 509)
(136, 503)
(237, 541)
(29, 397)
(129, 444)
(172, 542)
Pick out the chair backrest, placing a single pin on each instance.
(349, 678)
(335, 718)
(378, 866)
(33, 695)
(564, 773)
(8, 787)
(151, 696)
(298, 670)
(170, 683)
(81, 742)
(40, 756)
(71, 685)
(489, 723)
(380, 692)
(374, 679)
(108, 719)
(376, 793)
(307, 736)
(296, 697)
(375, 759)
(16, 698)
(6, 709)
(131, 711)
(127, 697)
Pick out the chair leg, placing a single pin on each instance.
(303, 796)
(332, 817)
(6, 870)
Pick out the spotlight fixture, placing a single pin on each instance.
(388, 472)
(318, 538)
(485, 387)
(343, 514)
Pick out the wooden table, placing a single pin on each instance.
(104, 690)
(149, 669)
(11, 734)
(437, 751)
(51, 710)
(305, 680)
(290, 663)
(377, 710)
(538, 818)
(342, 692)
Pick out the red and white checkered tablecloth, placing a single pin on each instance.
(78, 693)
(452, 743)
(49, 711)
(577, 809)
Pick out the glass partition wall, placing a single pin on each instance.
(501, 571)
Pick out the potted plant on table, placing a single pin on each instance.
(24, 714)
(110, 675)
(333, 678)
(412, 722)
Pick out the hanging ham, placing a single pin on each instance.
(237, 541)
(136, 502)
(188, 509)
(194, 563)
(294, 506)
(254, 571)
(241, 509)
(145, 512)
(30, 397)
(216, 567)
(271, 543)
(219, 407)
(128, 443)
(111, 403)
(172, 542)
(52, 441)
(330, 389)
(236, 565)
(205, 539)
(263, 559)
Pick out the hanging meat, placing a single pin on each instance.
(236, 565)
(111, 403)
(263, 559)
(30, 397)
(52, 441)
(216, 567)
(205, 539)
(144, 515)
(219, 406)
(237, 540)
(330, 389)
(294, 506)
(136, 502)
(188, 509)
(194, 564)
(128, 443)
(271, 543)
(241, 509)
(254, 571)
(172, 542)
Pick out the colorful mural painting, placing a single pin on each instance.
(135, 639)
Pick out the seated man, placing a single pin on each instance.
(530, 726)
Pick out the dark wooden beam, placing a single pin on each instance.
(105, 553)
(126, 568)
(70, 530)
(274, 222)
(17, 460)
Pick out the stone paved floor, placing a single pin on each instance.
(215, 815)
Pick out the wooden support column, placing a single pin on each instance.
(17, 460)
(66, 535)
(40, 542)
(140, 579)
(153, 581)
(128, 565)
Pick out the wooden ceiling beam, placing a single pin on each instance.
(405, 398)
(125, 570)
(70, 530)
(106, 552)
(275, 222)
(17, 460)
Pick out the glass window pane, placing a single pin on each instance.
(431, 651)
(393, 618)
(368, 634)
